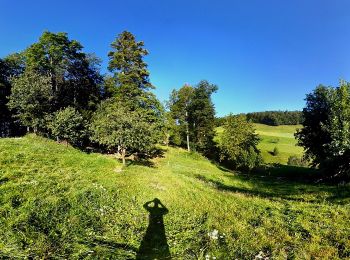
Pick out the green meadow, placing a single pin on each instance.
(61, 203)
(281, 137)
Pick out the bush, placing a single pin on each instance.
(238, 144)
(296, 161)
(68, 125)
(275, 151)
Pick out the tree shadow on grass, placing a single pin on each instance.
(283, 182)
(109, 249)
(154, 244)
(146, 163)
(143, 159)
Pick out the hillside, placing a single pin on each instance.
(281, 137)
(58, 202)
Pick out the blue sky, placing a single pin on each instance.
(263, 55)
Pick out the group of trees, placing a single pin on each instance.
(191, 116)
(326, 130)
(55, 89)
(273, 118)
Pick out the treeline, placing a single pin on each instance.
(56, 90)
(53, 88)
(275, 118)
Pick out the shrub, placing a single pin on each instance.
(68, 125)
(275, 151)
(296, 161)
(122, 130)
(238, 144)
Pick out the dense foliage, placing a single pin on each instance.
(326, 132)
(122, 130)
(68, 125)
(238, 143)
(193, 114)
(130, 71)
(31, 99)
(276, 117)
(10, 66)
(74, 74)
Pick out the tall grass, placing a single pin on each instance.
(58, 202)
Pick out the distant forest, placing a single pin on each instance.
(272, 118)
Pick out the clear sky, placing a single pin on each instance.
(263, 54)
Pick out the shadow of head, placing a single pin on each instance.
(155, 207)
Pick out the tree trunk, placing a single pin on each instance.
(123, 152)
(187, 134)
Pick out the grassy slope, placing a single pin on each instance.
(56, 201)
(281, 137)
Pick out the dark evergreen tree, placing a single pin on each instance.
(130, 71)
(131, 79)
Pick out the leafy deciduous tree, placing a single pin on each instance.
(121, 130)
(68, 125)
(326, 129)
(238, 143)
(74, 75)
(31, 99)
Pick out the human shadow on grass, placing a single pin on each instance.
(154, 244)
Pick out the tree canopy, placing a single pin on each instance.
(326, 129)
(193, 113)
(238, 143)
(121, 130)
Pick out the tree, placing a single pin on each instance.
(313, 136)
(31, 99)
(122, 130)
(130, 71)
(74, 75)
(179, 105)
(202, 117)
(131, 78)
(68, 125)
(194, 114)
(5, 88)
(326, 130)
(238, 143)
(10, 66)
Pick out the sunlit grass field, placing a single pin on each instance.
(57, 202)
(281, 137)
